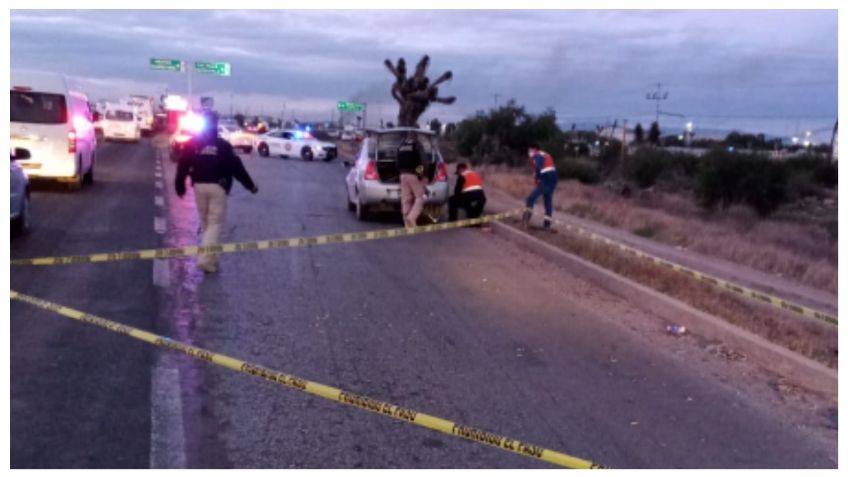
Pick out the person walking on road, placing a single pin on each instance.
(468, 194)
(546, 182)
(413, 191)
(212, 165)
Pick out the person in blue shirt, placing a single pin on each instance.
(546, 182)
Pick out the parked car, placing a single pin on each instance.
(19, 193)
(52, 121)
(373, 182)
(119, 123)
(237, 137)
(293, 142)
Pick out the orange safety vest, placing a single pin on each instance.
(547, 163)
(472, 181)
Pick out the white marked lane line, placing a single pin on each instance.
(159, 201)
(159, 184)
(167, 432)
(159, 224)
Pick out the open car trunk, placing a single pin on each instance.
(387, 145)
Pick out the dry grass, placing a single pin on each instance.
(803, 252)
(810, 338)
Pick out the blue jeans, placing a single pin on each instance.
(546, 190)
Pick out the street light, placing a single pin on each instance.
(689, 126)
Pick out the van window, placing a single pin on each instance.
(39, 108)
(119, 115)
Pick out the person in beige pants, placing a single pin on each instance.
(413, 193)
(412, 190)
(211, 200)
(212, 166)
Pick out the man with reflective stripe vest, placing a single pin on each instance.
(546, 182)
(468, 193)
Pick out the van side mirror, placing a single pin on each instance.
(20, 153)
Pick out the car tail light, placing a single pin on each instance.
(371, 171)
(441, 172)
(72, 141)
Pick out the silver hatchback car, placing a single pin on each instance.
(19, 192)
(373, 183)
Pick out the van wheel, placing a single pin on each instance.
(76, 182)
(263, 149)
(88, 178)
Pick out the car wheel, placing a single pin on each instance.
(247, 149)
(21, 225)
(263, 150)
(362, 213)
(306, 154)
(350, 205)
(88, 178)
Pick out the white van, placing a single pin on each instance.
(145, 112)
(53, 122)
(119, 123)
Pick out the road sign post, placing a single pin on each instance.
(178, 66)
(162, 64)
(349, 106)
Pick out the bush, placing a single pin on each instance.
(821, 171)
(585, 172)
(646, 165)
(726, 178)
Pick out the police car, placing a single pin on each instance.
(294, 143)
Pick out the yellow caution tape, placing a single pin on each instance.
(746, 292)
(257, 245)
(317, 389)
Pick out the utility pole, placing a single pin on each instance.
(623, 140)
(833, 138)
(658, 95)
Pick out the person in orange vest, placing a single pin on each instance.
(546, 182)
(468, 193)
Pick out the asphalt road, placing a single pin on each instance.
(461, 324)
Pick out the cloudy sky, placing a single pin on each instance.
(770, 70)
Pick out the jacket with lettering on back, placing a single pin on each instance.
(211, 162)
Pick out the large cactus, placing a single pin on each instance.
(415, 94)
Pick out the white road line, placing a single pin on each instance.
(167, 434)
(158, 174)
(159, 224)
(158, 184)
(159, 201)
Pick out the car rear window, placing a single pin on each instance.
(38, 108)
(388, 144)
(119, 115)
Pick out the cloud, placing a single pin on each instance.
(590, 63)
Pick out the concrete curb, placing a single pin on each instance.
(799, 369)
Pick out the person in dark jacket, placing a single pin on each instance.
(413, 191)
(211, 164)
(468, 194)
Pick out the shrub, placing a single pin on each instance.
(646, 166)
(585, 172)
(726, 178)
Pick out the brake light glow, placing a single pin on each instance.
(182, 138)
(371, 171)
(72, 141)
(441, 172)
(192, 122)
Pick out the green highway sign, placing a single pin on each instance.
(349, 106)
(166, 65)
(206, 67)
